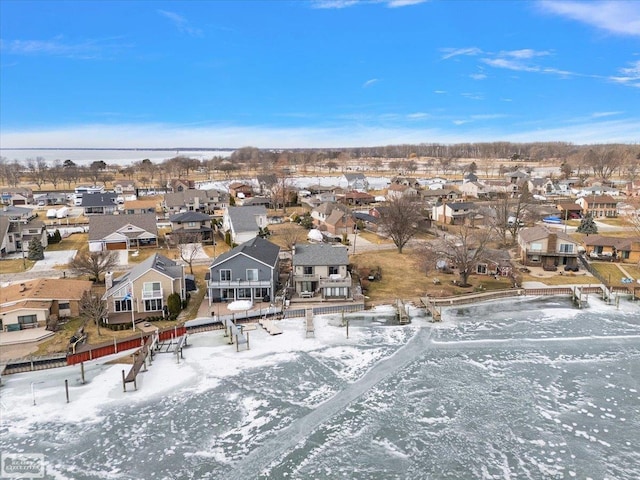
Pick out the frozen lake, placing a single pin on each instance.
(529, 388)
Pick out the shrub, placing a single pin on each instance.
(174, 304)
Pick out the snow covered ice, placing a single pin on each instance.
(525, 388)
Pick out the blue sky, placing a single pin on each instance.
(326, 73)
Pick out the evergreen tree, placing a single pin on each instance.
(587, 225)
(36, 250)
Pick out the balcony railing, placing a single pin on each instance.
(551, 254)
(239, 283)
(148, 294)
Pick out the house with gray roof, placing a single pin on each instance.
(99, 203)
(143, 291)
(122, 232)
(191, 225)
(244, 223)
(18, 226)
(205, 201)
(247, 272)
(321, 270)
(356, 181)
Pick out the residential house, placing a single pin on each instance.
(626, 249)
(36, 303)
(439, 195)
(455, 213)
(256, 201)
(51, 198)
(323, 211)
(540, 246)
(516, 177)
(18, 227)
(249, 271)
(321, 269)
(355, 198)
(266, 182)
(469, 177)
(370, 222)
(125, 187)
(192, 226)
(244, 223)
(569, 210)
(143, 291)
(494, 262)
(356, 181)
(599, 205)
(398, 190)
(180, 185)
(99, 203)
(147, 204)
(205, 201)
(475, 190)
(16, 196)
(339, 223)
(540, 186)
(240, 190)
(122, 232)
(597, 189)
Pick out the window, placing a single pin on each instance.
(122, 305)
(536, 247)
(566, 248)
(64, 306)
(260, 292)
(307, 270)
(152, 290)
(252, 274)
(334, 270)
(481, 268)
(27, 319)
(192, 224)
(153, 305)
(225, 275)
(244, 293)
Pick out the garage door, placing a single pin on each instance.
(117, 246)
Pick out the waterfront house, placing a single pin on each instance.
(549, 249)
(321, 270)
(244, 223)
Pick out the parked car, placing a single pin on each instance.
(571, 268)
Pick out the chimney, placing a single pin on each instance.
(108, 280)
(552, 240)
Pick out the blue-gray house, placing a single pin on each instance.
(248, 272)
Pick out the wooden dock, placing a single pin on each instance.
(579, 297)
(270, 326)
(432, 309)
(311, 332)
(139, 361)
(403, 316)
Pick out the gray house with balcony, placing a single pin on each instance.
(250, 271)
(321, 270)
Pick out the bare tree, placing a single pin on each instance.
(94, 264)
(291, 234)
(401, 218)
(37, 170)
(463, 250)
(189, 247)
(511, 215)
(93, 308)
(54, 174)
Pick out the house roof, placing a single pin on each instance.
(461, 205)
(104, 225)
(98, 199)
(257, 248)
(147, 202)
(539, 232)
(243, 219)
(620, 243)
(11, 211)
(320, 254)
(336, 216)
(350, 177)
(45, 289)
(4, 227)
(156, 262)
(189, 217)
(599, 199)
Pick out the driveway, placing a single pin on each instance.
(53, 259)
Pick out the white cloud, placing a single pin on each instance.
(478, 76)
(418, 115)
(524, 53)
(181, 23)
(605, 114)
(630, 76)
(456, 52)
(473, 96)
(618, 17)
(370, 82)
(403, 3)
(339, 4)
(83, 50)
(440, 92)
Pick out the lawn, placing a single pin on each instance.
(633, 270)
(403, 278)
(609, 271)
(562, 278)
(15, 265)
(75, 241)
